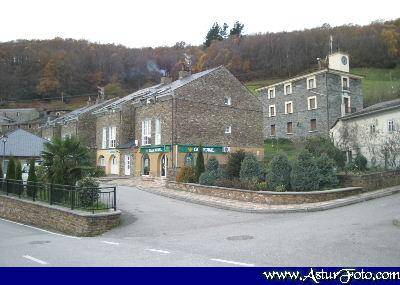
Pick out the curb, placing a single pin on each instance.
(303, 208)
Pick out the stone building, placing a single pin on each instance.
(157, 130)
(374, 132)
(28, 119)
(310, 104)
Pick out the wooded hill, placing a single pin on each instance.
(48, 68)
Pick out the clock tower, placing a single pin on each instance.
(339, 61)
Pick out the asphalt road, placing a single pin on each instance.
(159, 231)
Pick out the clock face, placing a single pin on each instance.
(344, 60)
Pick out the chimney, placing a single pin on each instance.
(184, 73)
(166, 80)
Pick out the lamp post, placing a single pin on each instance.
(4, 140)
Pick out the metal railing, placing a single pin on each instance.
(92, 199)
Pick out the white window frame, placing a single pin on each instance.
(348, 83)
(146, 132)
(228, 129)
(227, 101)
(104, 138)
(157, 139)
(286, 107)
(112, 136)
(290, 88)
(391, 126)
(308, 83)
(273, 93)
(309, 103)
(270, 114)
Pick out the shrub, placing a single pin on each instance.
(89, 192)
(208, 178)
(1, 170)
(11, 169)
(98, 171)
(234, 164)
(186, 175)
(279, 172)
(261, 186)
(199, 168)
(230, 183)
(305, 173)
(360, 162)
(250, 169)
(327, 173)
(318, 145)
(32, 179)
(18, 170)
(212, 164)
(280, 188)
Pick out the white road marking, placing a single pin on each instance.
(35, 259)
(232, 262)
(42, 230)
(110, 242)
(158, 250)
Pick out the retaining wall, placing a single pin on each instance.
(371, 181)
(73, 222)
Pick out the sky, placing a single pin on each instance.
(165, 22)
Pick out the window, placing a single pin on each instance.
(311, 83)
(228, 130)
(112, 134)
(146, 132)
(18, 126)
(157, 140)
(271, 93)
(391, 126)
(313, 125)
(287, 88)
(273, 131)
(104, 139)
(272, 112)
(312, 103)
(189, 159)
(29, 126)
(372, 129)
(102, 161)
(17, 114)
(227, 101)
(289, 107)
(345, 83)
(289, 128)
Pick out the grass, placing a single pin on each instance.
(274, 146)
(379, 84)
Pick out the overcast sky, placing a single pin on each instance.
(165, 22)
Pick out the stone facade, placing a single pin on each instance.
(371, 181)
(329, 95)
(52, 217)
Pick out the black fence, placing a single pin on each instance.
(92, 199)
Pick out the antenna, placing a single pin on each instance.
(331, 43)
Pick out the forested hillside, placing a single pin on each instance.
(46, 69)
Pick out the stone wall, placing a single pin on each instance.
(371, 181)
(77, 223)
(267, 197)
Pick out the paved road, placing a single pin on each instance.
(159, 231)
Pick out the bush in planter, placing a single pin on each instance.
(305, 173)
(11, 169)
(250, 169)
(208, 178)
(32, 179)
(234, 164)
(327, 173)
(186, 175)
(360, 162)
(199, 168)
(89, 191)
(317, 145)
(279, 171)
(212, 164)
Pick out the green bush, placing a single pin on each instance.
(186, 175)
(18, 170)
(234, 183)
(1, 170)
(212, 164)
(281, 188)
(199, 168)
(98, 171)
(32, 179)
(278, 174)
(318, 145)
(89, 191)
(261, 186)
(208, 178)
(360, 162)
(250, 169)
(11, 169)
(234, 164)
(305, 173)
(327, 173)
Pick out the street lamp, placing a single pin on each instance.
(4, 139)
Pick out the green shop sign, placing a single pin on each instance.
(155, 149)
(206, 149)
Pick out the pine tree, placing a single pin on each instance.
(237, 29)
(11, 169)
(32, 173)
(18, 170)
(1, 170)
(200, 168)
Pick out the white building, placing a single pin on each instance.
(374, 132)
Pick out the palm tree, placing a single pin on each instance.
(65, 161)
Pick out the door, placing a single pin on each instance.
(164, 165)
(114, 165)
(127, 165)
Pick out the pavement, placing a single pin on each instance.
(161, 231)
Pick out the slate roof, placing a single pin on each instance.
(21, 143)
(156, 90)
(375, 108)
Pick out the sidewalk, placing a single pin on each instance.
(233, 205)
